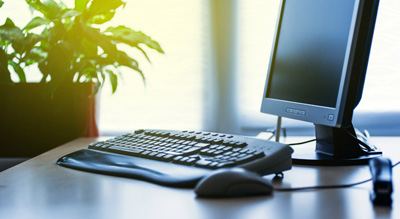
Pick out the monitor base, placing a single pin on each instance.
(335, 147)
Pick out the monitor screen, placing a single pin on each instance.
(310, 54)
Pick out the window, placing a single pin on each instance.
(256, 29)
(172, 96)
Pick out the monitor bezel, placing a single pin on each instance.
(338, 116)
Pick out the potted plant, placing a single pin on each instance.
(76, 55)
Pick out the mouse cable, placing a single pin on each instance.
(303, 142)
(326, 186)
(365, 138)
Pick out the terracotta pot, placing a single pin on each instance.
(32, 122)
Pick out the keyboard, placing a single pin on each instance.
(178, 158)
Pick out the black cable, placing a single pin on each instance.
(367, 147)
(321, 187)
(327, 186)
(303, 142)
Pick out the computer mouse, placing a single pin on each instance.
(232, 182)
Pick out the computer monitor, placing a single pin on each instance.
(316, 73)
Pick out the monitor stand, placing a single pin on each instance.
(334, 147)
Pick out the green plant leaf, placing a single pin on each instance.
(45, 34)
(80, 5)
(52, 9)
(113, 80)
(57, 33)
(48, 8)
(44, 70)
(103, 18)
(9, 32)
(99, 7)
(88, 48)
(105, 42)
(68, 13)
(30, 41)
(5, 77)
(89, 72)
(108, 46)
(18, 69)
(57, 65)
(35, 55)
(83, 68)
(35, 22)
(103, 78)
(144, 53)
(128, 36)
(124, 60)
(1, 4)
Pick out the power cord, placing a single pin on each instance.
(326, 186)
(364, 143)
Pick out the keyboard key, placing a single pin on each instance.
(167, 157)
(191, 160)
(225, 164)
(203, 163)
(201, 145)
(191, 150)
(123, 150)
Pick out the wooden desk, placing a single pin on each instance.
(38, 188)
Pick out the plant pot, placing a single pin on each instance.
(33, 122)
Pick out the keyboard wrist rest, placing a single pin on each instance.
(132, 167)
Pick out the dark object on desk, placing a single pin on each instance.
(381, 171)
(33, 122)
(138, 168)
(232, 182)
(178, 158)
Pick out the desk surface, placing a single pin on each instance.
(38, 188)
